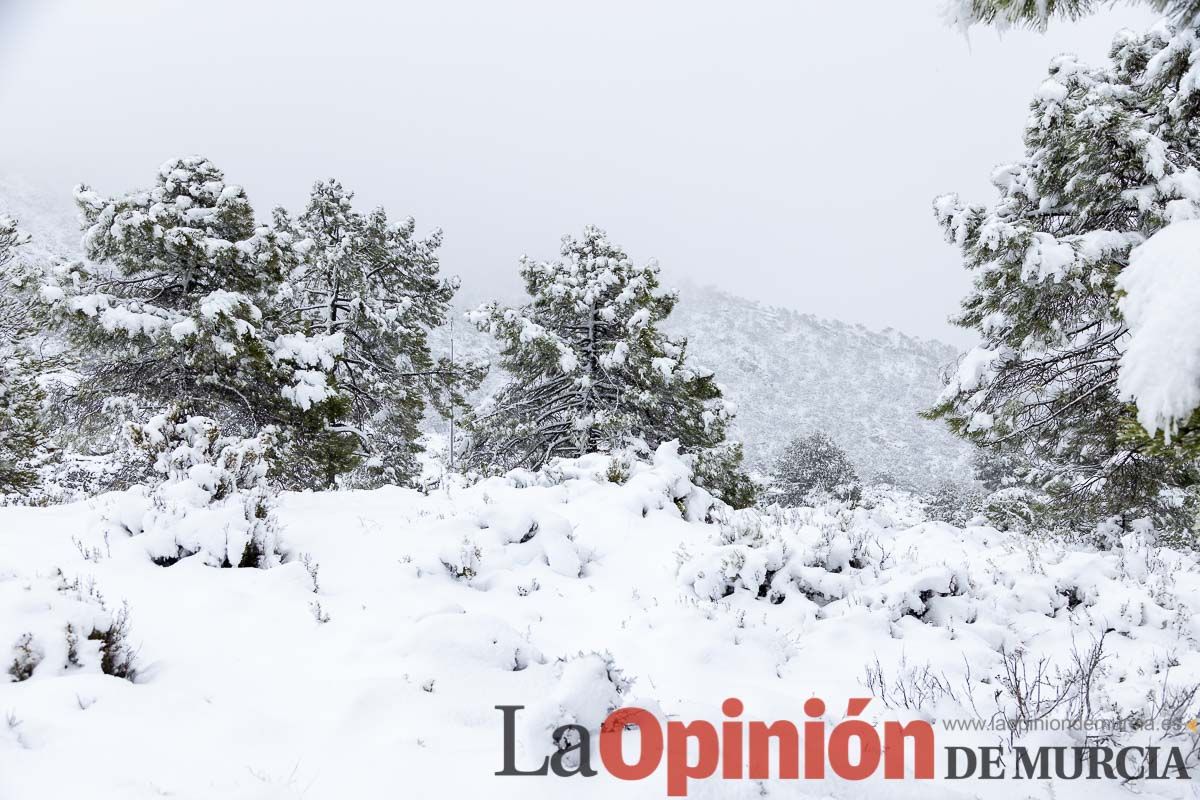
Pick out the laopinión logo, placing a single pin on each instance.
(742, 750)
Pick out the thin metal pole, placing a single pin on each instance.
(453, 377)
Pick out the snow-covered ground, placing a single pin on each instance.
(370, 663)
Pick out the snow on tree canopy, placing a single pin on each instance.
(1160, 368)
(591, 368)
(1037, 14)
(1109, 161)
(182, 299)
(365, 292)
(20, 396)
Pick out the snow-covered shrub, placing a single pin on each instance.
(619, 468)
(26, 656)
(1073, 688)
(1015, 509)
(463, 560)
(508, 540)
(719, 471)
(1077, 687)
(812, 468)
(911, 687)
(656, 480)
(953, 502)
(587, 688)
(107, 630)
(1030, 619)
(61, 625)
(116, 655)
(215, 500)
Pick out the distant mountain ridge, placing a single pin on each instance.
(49, 219)
(792, 373)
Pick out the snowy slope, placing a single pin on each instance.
(794, 374)
(379, 679)
(48, 217)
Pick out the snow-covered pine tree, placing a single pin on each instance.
(177, 306)
(20, 432)
(20, 397)
(376, 286)
(13, 315)
(1039, 13)
(812, 467)
(1111, 157)
(591, 370)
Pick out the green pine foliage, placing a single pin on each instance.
(20, 431)
(1110, 158)
(812, 468)
(719, 470)
(1038, 14)
(176, 306)
(592, 371)
(374, 287)
(14, 315)
(20, 397)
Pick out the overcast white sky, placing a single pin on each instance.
(785, 149)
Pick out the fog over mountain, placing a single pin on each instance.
(793, 373)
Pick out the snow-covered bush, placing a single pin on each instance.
(112, 640)
(26, 656)
(587, 688)
(214, 501)
(719, 470)
(811, 468)
(954, 502)
(462, 561)
(505, 540)
(62, 626)
(1016, 508)
(1043, 628)
(1071, 688)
